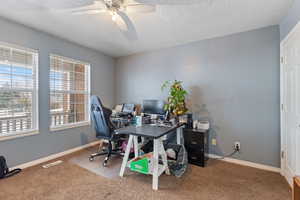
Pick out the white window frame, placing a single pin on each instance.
(88, 94)
(35, 93)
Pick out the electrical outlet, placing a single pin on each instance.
(237, 146)
(214, 141)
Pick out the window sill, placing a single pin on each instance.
(69, 126)
(19, 135)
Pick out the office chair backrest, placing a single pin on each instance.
(101, 118)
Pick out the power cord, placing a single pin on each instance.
(229, 155)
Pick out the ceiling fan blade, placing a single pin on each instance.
(171, 2)
(88, 12)
(96, 5)
(140, 8)
(126, 26)
(47, 4)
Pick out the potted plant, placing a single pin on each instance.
(176, 100)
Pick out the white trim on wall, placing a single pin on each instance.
(246, 163)
(296, 27)
(54, 156)
(286, 171)
(58, 155)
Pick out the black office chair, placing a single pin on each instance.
(104, 129)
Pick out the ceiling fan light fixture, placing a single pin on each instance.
(114, 17)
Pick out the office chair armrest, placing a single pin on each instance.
(122, 132)
(117, 132)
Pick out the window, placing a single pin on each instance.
(69, 92)
(18, 90)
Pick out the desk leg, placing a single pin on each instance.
(155, 164)
(126, 156)
(164, 157)
(296, 190)
(136, 146)
(179, 135)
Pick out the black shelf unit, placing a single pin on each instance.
(197, 145)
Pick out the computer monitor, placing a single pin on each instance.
(128, 108)
(153, 107)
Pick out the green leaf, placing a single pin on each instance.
(176, 98)
(165, 84)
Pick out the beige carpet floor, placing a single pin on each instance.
(218, 181)
(111, 172)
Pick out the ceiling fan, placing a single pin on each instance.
(118, 9)
(126, 6)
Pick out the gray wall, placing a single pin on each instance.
(29, 148)
(292, 18)
(233, 81)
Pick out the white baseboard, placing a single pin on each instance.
(57, 155)
(54, 156)
(288, 176)
(247, 163)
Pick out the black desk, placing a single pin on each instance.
(148, 130)
(155, 132)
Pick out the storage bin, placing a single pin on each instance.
(142, 164)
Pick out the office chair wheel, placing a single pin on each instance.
(91, 158)
(105, 162)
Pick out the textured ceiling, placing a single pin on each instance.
(170, 25)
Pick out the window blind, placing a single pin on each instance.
(69, 91)
(18, 90)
